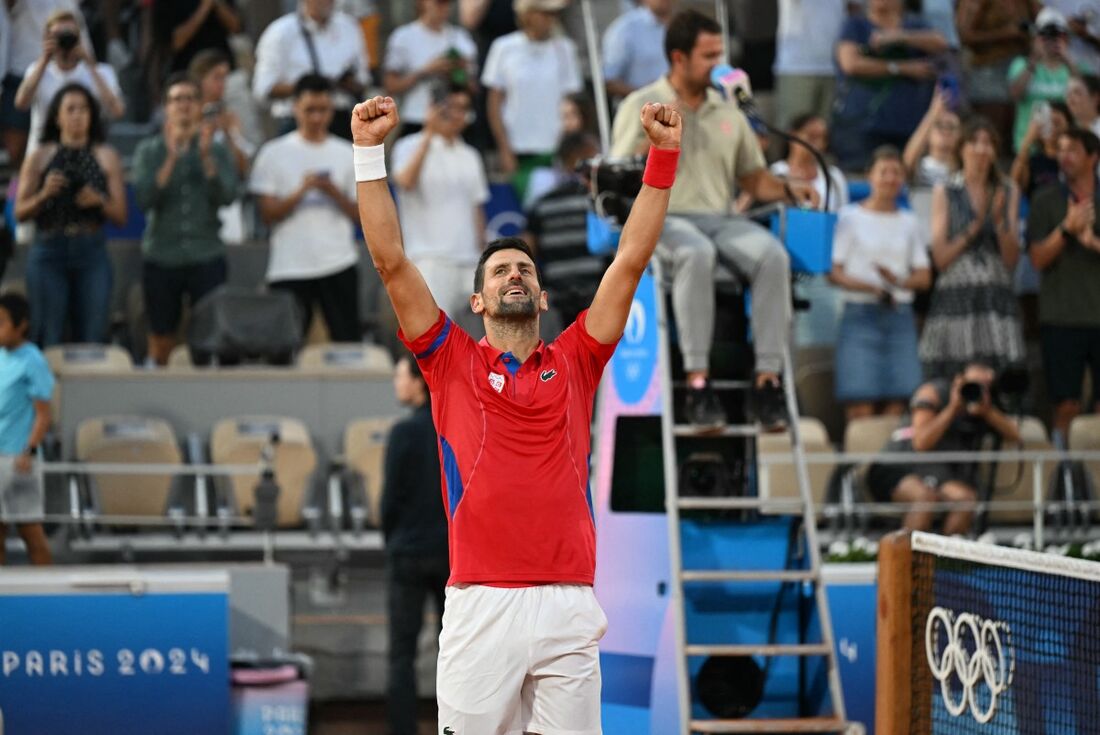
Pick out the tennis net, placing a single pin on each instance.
(987, 639)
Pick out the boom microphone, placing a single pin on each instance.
(733, 83)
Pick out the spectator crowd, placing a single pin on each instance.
(961, 135)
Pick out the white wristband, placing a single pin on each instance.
(370, 162)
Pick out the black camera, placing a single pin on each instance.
(615, 184)
(67, 40)
(972, 392)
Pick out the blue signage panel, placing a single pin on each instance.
(636, 356)
(103, 664)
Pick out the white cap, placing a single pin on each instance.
(1050, 17)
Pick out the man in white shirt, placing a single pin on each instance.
(314, 40)
(427, 49)
(304, 184)
(441, 189)
(65, 60)
(804, 69)
(634, 47)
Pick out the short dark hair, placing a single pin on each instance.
(800, 121)
(1091, 82)
(684, 29)
(51, 131)
(1062, 109)
(179, 77)
(504, 243)
(414, 366)
(574, 145)
(885, 153)
(206, 60)
(312, 83)
(1086, 138)
(19, 310)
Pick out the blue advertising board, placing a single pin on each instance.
(103, 654)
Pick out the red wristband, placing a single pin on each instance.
(660, 168)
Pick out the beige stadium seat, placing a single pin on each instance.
(179, 360)
(356, 356)
(365, 453)
(782, 481)
(1015, 480)
(867, 436)
(129, 440)
(1084, 436)
(241, 439)
(88, 358)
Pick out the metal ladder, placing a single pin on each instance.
(672, 433)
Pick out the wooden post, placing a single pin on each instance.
(894, 619)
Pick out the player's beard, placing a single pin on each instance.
(516, 310)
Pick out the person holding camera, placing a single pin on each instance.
(948, 415)
(1044, 75)
(442, 189)
(65, 60)
(1036, 163)
(304, 185)
(316, 39)
(425, 51)
(1065, 248)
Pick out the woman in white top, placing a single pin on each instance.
(527, 73)
(879, 260)
(801, 166)
(930, 156)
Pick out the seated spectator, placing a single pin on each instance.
(319, 40)
(27, 389)
(187, 27)
(1044, 75)
(973, 312)
(1036, 163)
(527, 74)
(634, 47)
(879, 260)
(425, 52)
(210, 68)
(930, 155)
(994, 32)
(1083, 100)
(181, 178)
(700, 227)
(805, 75)
(70, 185)
(1065, 248)
(800, 164)
(304, 184)
(949, 414)
(64, 60)
(442, 190)
(887, 77)
(557, 231)
(23, 25)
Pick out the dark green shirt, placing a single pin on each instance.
(1069, 294)
(181, 220)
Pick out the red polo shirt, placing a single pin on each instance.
(513, 451)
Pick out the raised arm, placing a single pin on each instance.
(611, 306)
(416, 310)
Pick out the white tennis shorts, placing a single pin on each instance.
(520, 660)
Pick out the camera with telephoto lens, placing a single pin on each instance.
(972, 393)
(615, 183)
(1007, 394)
(67, 40)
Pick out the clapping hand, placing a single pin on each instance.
(53, 184)
(90, 198)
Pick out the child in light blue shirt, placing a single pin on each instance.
(26, 385)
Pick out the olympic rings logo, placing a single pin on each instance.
(974, 655)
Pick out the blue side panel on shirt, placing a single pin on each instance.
(438, 340)
(451, 475)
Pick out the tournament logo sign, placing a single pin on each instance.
(636, 357)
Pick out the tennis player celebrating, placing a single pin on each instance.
(518, 652)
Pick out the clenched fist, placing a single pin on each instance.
(662, 125)
(373, 120)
